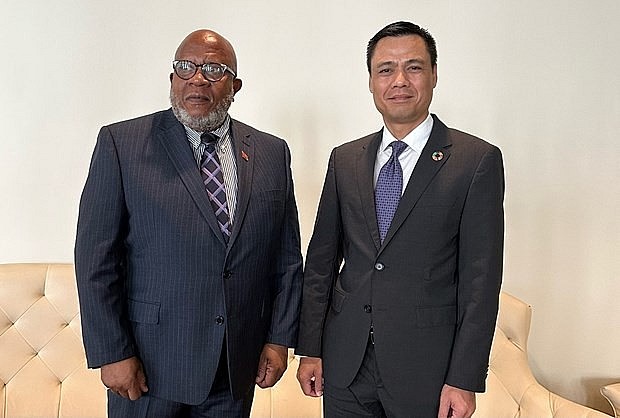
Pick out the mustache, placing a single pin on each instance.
(204, 123)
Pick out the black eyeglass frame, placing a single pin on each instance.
(202, 68)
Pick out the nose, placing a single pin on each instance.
(198, 79)
(400, 78)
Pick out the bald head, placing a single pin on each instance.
(208, 40)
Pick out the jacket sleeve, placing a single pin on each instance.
(480, 262)
(285, 318)
(100, 258)
(322, 265)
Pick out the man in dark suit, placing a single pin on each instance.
(404, 267)
(188, 253)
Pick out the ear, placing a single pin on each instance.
(237, 84)
(370, 83)
(434, 75)
(171, 74)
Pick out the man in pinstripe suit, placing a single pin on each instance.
(183, 310)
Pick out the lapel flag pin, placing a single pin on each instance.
(437, 156)
(244, 156)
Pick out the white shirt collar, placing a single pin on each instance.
(415, 139)
(221, 132)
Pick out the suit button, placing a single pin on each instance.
(219, 320)
(379, 266)
(367, 308)
(227, 275)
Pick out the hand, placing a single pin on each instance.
(273, 362)
(125, 378)
(310, 376)
(456, 403)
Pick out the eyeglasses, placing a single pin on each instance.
(211, 71)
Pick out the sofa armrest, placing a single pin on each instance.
(612, 394)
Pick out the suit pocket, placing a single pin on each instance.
(338, 299)
(271, 195)
(436, 316)
(143, 312)
(436, 201)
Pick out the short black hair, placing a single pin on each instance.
(402, 29)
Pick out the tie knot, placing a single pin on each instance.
(398, 147)
(208, 138)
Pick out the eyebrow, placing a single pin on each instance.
(409, 61)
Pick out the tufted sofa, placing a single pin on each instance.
(512, 390)
(43, 371)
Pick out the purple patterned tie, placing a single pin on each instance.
(214, 182)
(389, 189)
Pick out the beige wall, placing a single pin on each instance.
(539, 79)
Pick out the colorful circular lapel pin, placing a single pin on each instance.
(437, 156)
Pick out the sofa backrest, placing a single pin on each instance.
(42, 364)
(43, 369)
(512, 390)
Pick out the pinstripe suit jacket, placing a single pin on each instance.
(430, 289)
(155, 276)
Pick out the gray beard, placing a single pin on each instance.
(210, 122)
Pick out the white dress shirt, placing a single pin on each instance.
(416, 140)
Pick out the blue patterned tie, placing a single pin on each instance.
(389, 189)
(213, 180)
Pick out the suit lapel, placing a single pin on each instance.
(365, 168)
(423, 173)
(244, 156)
(173, 138)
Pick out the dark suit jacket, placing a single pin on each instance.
(430, 291)
(155, 277)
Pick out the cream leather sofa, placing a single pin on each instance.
(43, 371)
